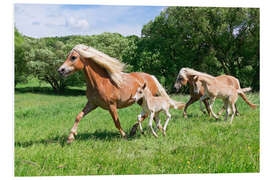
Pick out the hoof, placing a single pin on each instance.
(71, 138)
(133, 130)
(184, 115)
(164, 133)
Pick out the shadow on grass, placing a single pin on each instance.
(50, 91)
(62, 140)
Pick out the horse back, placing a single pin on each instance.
(146, 78)
(229, 80)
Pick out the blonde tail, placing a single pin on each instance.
(242, 94)
(162, 92)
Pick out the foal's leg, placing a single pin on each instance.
(233, 111)
(236, 111)
(190, 101)
(157, 120)
(167, 121)
(226, 106)
(140, 120)
(88, 108)
(150, 124)
(134, 127)
(204, 99)
(212, 100)
(222, 110)
(114, 114)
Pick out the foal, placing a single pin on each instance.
(153, 105)
(216, 89)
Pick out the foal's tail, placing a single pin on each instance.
(241, 92)
(162, 92)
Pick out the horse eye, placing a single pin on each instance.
(73, 58)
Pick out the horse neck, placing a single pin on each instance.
(206, 80)
(147, 96)
(94, 74)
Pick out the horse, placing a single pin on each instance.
(217, 89)
(184, 77)
(154, 105)
(108, 86)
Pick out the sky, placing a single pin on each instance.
(49, 20)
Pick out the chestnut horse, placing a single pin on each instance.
(185, 76)
(107, 86)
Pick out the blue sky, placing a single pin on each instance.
(45, 20)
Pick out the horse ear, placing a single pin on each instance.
(196, 78)
(144, 86)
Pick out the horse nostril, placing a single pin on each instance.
(61, 70)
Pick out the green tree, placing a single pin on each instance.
(21, 69)
(213, 40)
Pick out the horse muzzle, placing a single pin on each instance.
(63, 71)
(177, 87)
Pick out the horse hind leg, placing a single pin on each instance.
(236, 111)
(157, 120)
(88, 108)
(167, 121)
(233, 112)
(114, 114)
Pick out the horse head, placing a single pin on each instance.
(73, 63)
(181, 79)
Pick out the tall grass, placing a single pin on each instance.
(198, 144)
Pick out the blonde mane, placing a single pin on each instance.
(190, 72)
(113, 66)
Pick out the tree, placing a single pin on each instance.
(21, 69)
(212, 40)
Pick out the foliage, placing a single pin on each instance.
(213, 40)
(21, 69)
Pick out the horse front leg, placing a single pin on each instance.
(140, 119)
(152, 115)
(204, 99)
(190, 101)
(88, 108)
(114, 114)
(212, 100)
(134, 127)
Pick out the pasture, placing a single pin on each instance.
(199, 144)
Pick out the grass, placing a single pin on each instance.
(198, 144)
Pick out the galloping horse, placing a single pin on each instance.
(185, 76)
(217, 89)
(108, 86)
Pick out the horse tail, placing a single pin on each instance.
(162, 92)
(241, 92)
(177, 104)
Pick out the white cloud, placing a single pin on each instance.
(41, 20)
(77, 23)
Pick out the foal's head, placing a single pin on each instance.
(72, 64)
(196, 84)
(140, 93)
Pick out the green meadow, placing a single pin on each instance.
(198, 144)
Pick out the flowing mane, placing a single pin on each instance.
(190, 72)
(113, 66)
